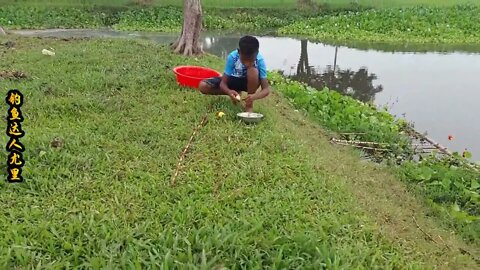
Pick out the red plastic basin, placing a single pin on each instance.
(191, 76)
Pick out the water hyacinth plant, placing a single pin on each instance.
(459, 24)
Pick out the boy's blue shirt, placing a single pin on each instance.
(235, 67)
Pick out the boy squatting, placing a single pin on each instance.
(245, 70)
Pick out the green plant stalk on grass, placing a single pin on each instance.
(246, 197)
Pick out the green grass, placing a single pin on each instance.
(247, 197)
(249, 3)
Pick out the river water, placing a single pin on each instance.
(438, 91)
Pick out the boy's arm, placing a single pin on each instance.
(262, 70)
(224, 86)
(265, 89)
(262, 93)
(229, 68)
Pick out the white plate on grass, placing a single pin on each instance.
(250, 117)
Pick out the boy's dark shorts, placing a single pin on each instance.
(234, 83)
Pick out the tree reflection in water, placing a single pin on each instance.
(358, 84)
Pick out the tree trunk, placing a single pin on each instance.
(189, 41)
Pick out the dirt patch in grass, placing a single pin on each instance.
(9, 44)
(12, 74)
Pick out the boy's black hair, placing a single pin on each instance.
(248, 46)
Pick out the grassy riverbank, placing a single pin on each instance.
(451, 188)
(105, 124)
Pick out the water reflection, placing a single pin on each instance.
(303, 67)
(220, 46)
(358, 84)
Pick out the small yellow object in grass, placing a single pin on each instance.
(220, 114)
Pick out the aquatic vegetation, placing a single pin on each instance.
(161, 19)
(40, 17)
(251, 19)
(459, 24)
(170, 19)
(448, 183)
(165, 19)
(452, 188)
(344, 114)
